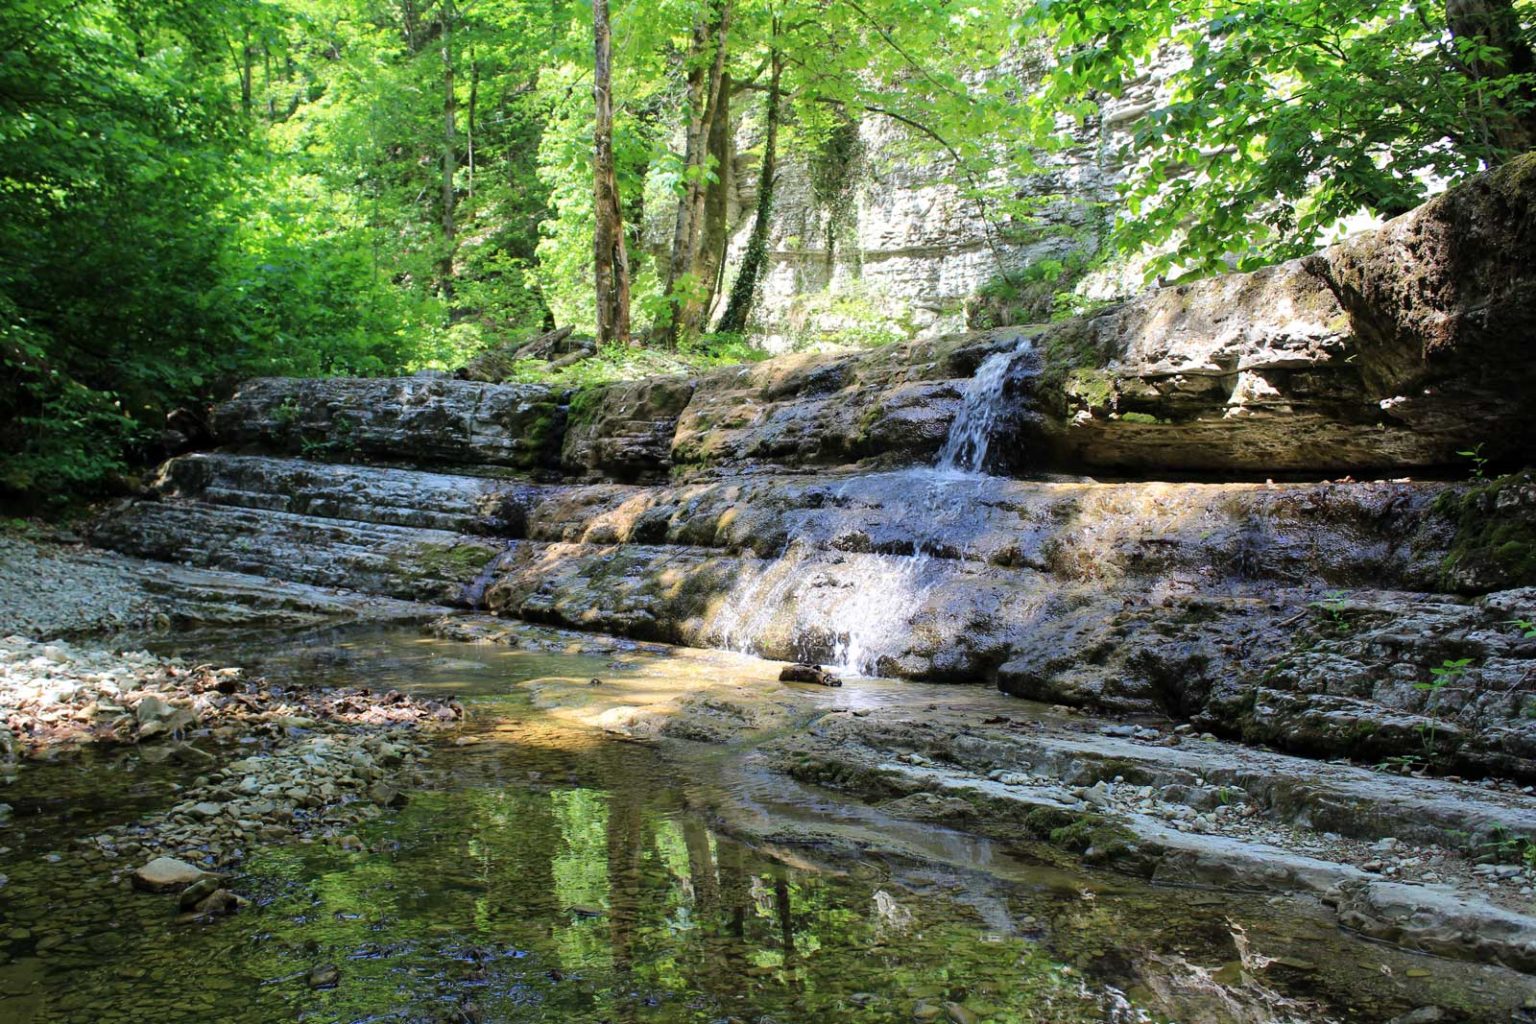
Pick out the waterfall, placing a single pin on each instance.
(852, 610)
(970, 435)
(847, 610)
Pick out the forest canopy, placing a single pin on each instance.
(197, 191)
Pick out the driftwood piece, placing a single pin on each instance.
(496, 365)
(573, 357)
(545, 345)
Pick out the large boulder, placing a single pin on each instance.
(414, 420)
(1393, 350)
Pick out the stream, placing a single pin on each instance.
(548, 873)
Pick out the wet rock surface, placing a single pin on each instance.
(61, 588)
(1313, 617)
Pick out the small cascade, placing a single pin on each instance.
(473, 594)
(846, 610)
(970, 435)
(855, 610)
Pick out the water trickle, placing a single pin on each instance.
(985, 401)
(473, 594)
(855, 610)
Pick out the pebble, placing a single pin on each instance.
(323, 976)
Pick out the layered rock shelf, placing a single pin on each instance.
(797, 508)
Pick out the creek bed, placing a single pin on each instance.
(548, 873)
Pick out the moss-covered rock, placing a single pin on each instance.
(1495, 540)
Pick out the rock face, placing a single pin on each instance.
(893, 243)
(415, 419)
(793, 507)
(1395, 349)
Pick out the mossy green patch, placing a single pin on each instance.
(1494, 547)
(451, 561)
(1094, 836)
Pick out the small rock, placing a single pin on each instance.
(385, 795)
(923, 1011)
(1423, 1015)
(323, 976)
(958, 1014)
(805, 673)
(166, 874)
(220, 902)
(197, 892)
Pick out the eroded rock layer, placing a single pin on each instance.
(818, 508)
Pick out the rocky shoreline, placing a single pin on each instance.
(273, 765)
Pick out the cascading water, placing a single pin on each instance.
(855, 609)
(970, 435)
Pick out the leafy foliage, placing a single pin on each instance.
(1284, 117)
(196, 191)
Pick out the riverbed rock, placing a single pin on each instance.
(407, 419)
(166, 874)
(1395, 349)
(323, 976)
(808, 674)
(205, 886)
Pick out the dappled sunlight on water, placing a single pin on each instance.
(548, 873)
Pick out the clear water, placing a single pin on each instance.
(546, 874)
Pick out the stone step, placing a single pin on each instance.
(1130, 597)
(358, 493)
(392, 561)
(1317, 830)
(414, 420)
(1386, 533)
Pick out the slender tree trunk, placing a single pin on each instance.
(450, 152)
(247, 62)
(410, 26)
(469, 128)
(709, 254)
(739, 308)
(1495, 23)
(610, 262)
(703, 103)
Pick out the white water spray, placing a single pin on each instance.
(970, 435)
(856, 609)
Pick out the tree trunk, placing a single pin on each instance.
(610, 263)
(469, 128)
(247, 55)
(739, 308)
(1495, 23)
(714, 228)
(450, 153)
(703, 102)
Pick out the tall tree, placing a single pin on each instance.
(744, 291)
(610, 261)
(1493, 46)
(450, 155)
(707, 58)
(1288, 116)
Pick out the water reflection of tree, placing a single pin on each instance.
(626, 845)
